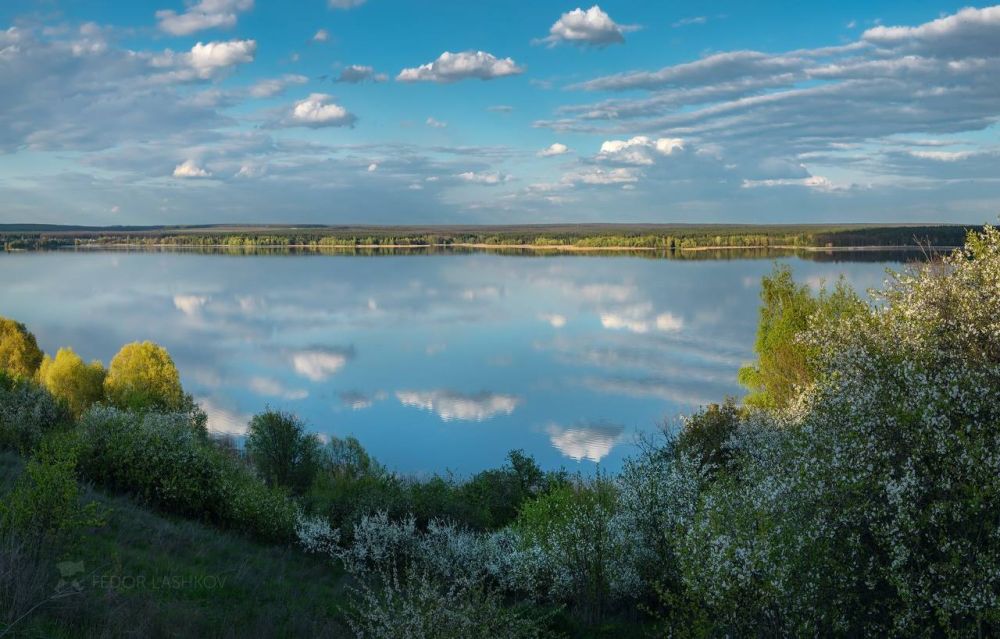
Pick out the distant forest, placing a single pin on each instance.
(579, 236)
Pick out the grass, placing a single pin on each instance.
(153, 576)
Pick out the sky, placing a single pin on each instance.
(393, 112)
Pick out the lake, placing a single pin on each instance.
(435, 362)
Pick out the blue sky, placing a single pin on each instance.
(377, 111)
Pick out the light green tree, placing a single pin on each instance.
(784, 361)
(143, 376)
(69, 379)
(19, 352)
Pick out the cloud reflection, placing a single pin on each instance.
(585, 441)
(451, 405)
(317, 364)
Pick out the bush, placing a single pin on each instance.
(162, 459)
(283, 452)
(27, 413)
(71, 381)
(706, 434)
(19, 352)
(44, 506)
(571, 533)
(142, 376)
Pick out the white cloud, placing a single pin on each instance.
(190, 305)
(490, 178)
(319, 110)
(592, 27)
(436, 124)
(639, 150)
(816, 182)
(269, 387)
(452, 406)
(585, 441)
(669, 322)
(684, 22)
(373, 167)
(355, 73)
(970, 32)
(355, 400)
(556, 148)
(344, 4)
(943, 156)
(452, 67)
(208, 58)
(190, 169)
(273, 86)
(322, 35)
(554, 319)
(318, 364)
(206, 14)
(603, 177)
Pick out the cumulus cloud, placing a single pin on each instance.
(592, 27)
(206, 14)
(455, 406)
(639, 150)
(556, 148)
(318, 364)
(355, 73)
(190, 169)
(319, 110)
(585, 441)
(452, 67)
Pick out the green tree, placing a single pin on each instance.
(283, 452)
(785, 363)
(19, 352)
(69, 379)
(143, 376)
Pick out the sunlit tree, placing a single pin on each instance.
(19, 352)
(143, 376)
(785, 363)
(71, 380)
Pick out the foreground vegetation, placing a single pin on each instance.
(854, 492)
(663, 237)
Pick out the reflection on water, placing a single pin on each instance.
(432, 359)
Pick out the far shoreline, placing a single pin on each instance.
(565, 248)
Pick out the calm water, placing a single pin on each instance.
(433, 361)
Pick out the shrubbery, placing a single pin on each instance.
(164, 460)
(27, 413)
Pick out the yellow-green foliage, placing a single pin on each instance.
(142, 375)
(19, 352)
(784, 362)
(69, 379)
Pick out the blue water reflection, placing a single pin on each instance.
(433, 361)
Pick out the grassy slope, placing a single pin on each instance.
(264, 591)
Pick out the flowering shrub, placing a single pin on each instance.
(27, 412)
(871, 504)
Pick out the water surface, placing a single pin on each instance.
(434, 362)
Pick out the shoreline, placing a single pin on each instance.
(566, 248)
